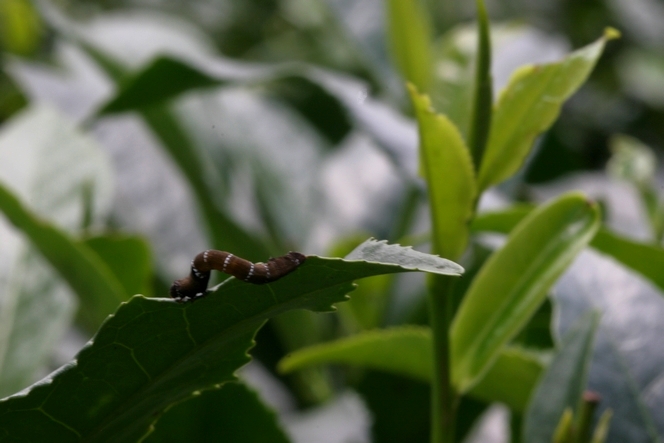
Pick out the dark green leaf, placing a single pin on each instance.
(233, 413)
(480, 121)
(155, 352)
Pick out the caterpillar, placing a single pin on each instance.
(195, 285)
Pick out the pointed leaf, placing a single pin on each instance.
(407, 351)
(646, 259)
(529, 105)
(155, 352)
(563, 383)
(410, 35)
(448, 170)
(480, 122)
(514, 281)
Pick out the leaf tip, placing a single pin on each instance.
(611, 33)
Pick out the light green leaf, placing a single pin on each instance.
(409, 33)
(514, 281)
(529, 105)
(155, 352)
(20, 27)
(646, 259)
(563, 382)
(404, 350)
(407, 351)
(450, 177)
(511, 380)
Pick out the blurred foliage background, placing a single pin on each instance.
(283, 162)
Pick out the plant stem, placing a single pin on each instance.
(443, 397)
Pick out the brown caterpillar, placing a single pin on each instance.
(195, 285)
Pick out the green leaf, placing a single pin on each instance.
(155, 352)
(404, 350)
(233, 413)
(409, 33)
(20, 27)
(514, 281)
(646, 259)
(480, 122)
(529, 105)
(128, 257)
(563, 382)
(511, 380)
(407, 351)
(448, 170)
(100, 292)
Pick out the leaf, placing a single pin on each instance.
(511, 380)
(128, 257)
(233, 413)
(49, 169)
(409, 33)
(160, 80)
(627, 364)
(155, 352)
(407, 351)
(514, 282)
(646, 259)
(450, 178)
(404, 350)
(100, 292)
(529, 105)
(379, 252)
(480, 122)
(21, 28)
(563, 382)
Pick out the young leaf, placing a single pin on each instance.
(410, 39)
(404, 350)
(155, 352)
(515, 280)
(563, 382)
(646, 259)
(480, 122)
(450, 177)
(407, 351)
(529, 105)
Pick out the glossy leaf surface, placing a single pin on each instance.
(529, 105)
(514, 281)
(448, 169)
